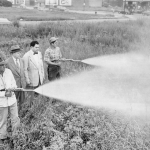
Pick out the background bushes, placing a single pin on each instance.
(5, 3)
(100, 38)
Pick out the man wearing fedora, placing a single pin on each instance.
(33, 67)
(51, 57)
(15, 64)
(8, 102)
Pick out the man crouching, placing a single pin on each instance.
(8, 102)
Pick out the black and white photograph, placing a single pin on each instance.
(74, 74)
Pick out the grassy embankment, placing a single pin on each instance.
(14, 14)
(64, 126)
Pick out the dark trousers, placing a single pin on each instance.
(53, 72)
(20, 96)
(32, 95)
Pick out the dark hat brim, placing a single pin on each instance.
(15, 50)
(53, 40)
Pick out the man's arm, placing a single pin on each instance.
(47, 59)
(26, 65)
(12, 84)
(11, 80)
(42, 66)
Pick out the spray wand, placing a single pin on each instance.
(17, 89)
(8, 92)
(66, 59)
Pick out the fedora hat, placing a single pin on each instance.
(2, 62)
(15, 48)
(53, 39)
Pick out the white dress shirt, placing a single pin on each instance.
(7, 81)
(16, 61)
(36, 58)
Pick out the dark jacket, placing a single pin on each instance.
(18, 73)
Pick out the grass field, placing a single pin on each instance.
(56, 125)
(13, 14)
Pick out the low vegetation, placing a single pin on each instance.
(56, 125)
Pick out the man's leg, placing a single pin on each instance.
(52, 71)
(20, 98)
(15, 121)
(30, 94)
(58, 75)
(3, 122)
(37, 94)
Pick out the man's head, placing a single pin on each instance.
(2, 66)
(15, 51)
(53, 41)
(34, 46)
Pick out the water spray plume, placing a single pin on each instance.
(122, 82)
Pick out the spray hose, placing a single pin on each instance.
(65, 59)
(17, 89)
(8, 92)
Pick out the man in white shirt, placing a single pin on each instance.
(15, 64)
(8, 102)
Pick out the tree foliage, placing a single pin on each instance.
(5, 3)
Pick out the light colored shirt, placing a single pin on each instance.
(7, 81)
(52, 54)
(16, 61)
(36, 58)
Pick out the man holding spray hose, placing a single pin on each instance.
(8, 102)
(15, 64)
(53, 58)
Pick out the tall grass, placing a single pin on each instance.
(78, 37)
(56, 125)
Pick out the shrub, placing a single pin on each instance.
(16, 23)
(5, 3)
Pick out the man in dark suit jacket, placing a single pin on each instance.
(15, 64)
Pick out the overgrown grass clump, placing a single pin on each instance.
(79, 38)
(57, 125)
